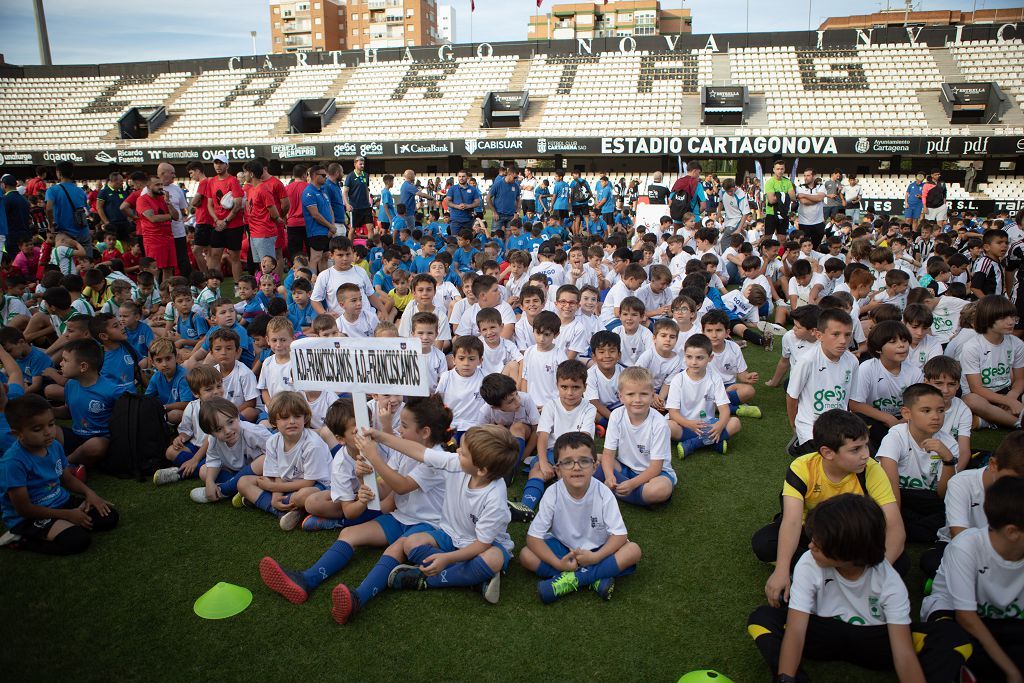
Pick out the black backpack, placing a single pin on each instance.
(679, 204)
(936, 197)
(139, 434)
(581, 193)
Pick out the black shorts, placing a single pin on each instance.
(203, 233)
(72, 441)
(40, 528)
(319, 243)
(228, 238)
(560, 214)
(580, 209)
(362, 217)
(528, 205)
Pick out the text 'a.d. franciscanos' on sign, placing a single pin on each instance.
(359, 366)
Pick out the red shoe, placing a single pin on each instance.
(344, 604)
(78, 471)
(599, 430)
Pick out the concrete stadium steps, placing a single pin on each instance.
(336, 90)
(534, 113)
(931, 105)
(947, 66)
(757, 112)
(721, 69)
(518, 80)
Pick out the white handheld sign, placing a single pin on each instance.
(386, 365)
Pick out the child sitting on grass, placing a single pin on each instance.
(169, 382)
(849, 604)
(417, 492)
(510, 408)
(993, 364)
(37, 483)
(89, 402)
(728, 361)
(297, 463)
(637, 461)
(470, 546)
(187, 451)
(236, 451)
(578, 539)
(693, 397)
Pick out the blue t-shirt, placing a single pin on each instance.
(140, 338)
(914, 191)
(605, 193)
(39, 475)
(333, 192)
(34, 364)
(193, 327)
(311, 196)
(503, 196)
(543, 198)
(462, 259)
(386, 200)
(6, 438)
(398, 224)
(174, 390)
(624, 221)
(91, 406)
(119, 367)
(598, 227)
(247, 357)
(384, 281)
(375, 257)
(64, 211)
(358, 190)
(518, 242)
(407, 196)
(561, 194)
(300, 317)
(457, 194)
(421, 264)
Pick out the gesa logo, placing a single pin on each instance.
(988, 374)
(829, 397)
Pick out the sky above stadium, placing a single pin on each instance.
(95, 31)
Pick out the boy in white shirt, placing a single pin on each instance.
(460, 386)
(532, 302)
(603, 376)
(823, 382)
(236, 451)
(554, 273)
(727, 360)
(943, 373)
(632, 278)
(805, 286)
(981, 585)
(276, 371)
(637, 460)
(918, 457)
(424, 291)
(635, 337)
(437, 363)
(474, 523)
(946, 316)
(354, 321)
(511, 408)
(847, 603)
(568, 413)
(578, 538)
(238, 380)
(188, 450)
(541, 360)
(573, 336)
(796, 341)
(328, 282)
(684, 313)
(895, 292)
(662, 359)
(500, 354)
(656, 294)
(485, 289)
(923, 346)
(590, 301)
(693, 397)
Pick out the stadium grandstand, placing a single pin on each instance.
(882, 103)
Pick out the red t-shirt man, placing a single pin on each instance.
(280, 193)
(261, 223)
(203, 216)
(156, 237)
(218, 188)
(294, 191)
(35, 186)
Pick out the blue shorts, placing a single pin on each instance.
(912, 211)
(623, 473)
(561, 550)
(445, 545)
(394, 530)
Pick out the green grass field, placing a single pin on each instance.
(124, 609)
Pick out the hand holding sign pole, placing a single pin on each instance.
(361, 366)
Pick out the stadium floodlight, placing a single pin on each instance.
(252, 34)
(44, 39)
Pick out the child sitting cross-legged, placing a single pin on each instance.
(728, 361)
(417, 492)
(637, 462)
(542, 359)
(849, 604)
(297, 463)
(993, 364)
(345, 502)
(470, 546)
(236, 450)
(45, 507)
(169, 383)
(511, 408)
(89, 403)
(693, 397)
(187, 451)
(578, 538)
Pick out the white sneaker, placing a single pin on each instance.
(290, 520)
(8, 538)
(167, 475)
(492, 589)
(198, 495)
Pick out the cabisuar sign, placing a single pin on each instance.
(310, 147)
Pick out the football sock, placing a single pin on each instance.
(604, 569)
(330, 563)
(532, 492)
(470, 573)
(377, 580)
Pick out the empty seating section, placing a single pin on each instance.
(241, 106)
(839, 92)
(634, 94)
(404, 100)
(1003, 187)
(989, 60)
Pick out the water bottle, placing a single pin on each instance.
(706, 437)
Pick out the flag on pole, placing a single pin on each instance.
(792, 172)
(538, 3)
(758, 172)
(679, 159)
(472, 5)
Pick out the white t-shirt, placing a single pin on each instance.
(539, 371)
(424, 504)
(524, 337)
(239, 385)
(308, 459)
(555, 274)
(697, 399)
(955, 345)
(633, 345)
(601, 388)
(446, 294)
(585, 523)
(251, 444)
(462, 396)
(946, 318)
(363, 326)
(810, 214)
(345, 482)
(881, 389)
(515, 285)
(738, 305)
(683, 336)
(189, 424)
(929, 348)
(558, 420)
(995, 363)
(653, 300)
(820, 384)
(497, 358)
(467, 324)
(444, 330)
(917, 468)
(616, 294)
(375, 421)
(325, 289)
(793, 346)
(965, 502)
(637, 446)
(803, 292)
(527, 413)
(677, 266)
(437, 365)
(973, 577)
(471, 514)
(318, 406)
(275, 377)
(662, 369)
(574, 337)
(958, 420)
(876, 598)
(728, 362)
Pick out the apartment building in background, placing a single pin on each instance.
(305, 25)
(615, 19)
(909, 17)
(446, 23)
